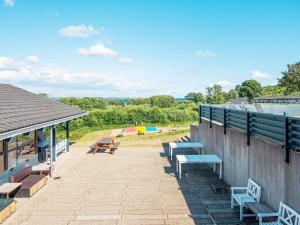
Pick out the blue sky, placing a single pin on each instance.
(129, 48)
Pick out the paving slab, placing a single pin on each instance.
(135, 186)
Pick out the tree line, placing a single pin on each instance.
(288, 85)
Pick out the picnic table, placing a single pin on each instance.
(104, 144)
(8, 188)
(195, 145)
(185, 159)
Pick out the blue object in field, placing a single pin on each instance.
(151, 128)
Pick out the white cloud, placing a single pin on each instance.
(81, 31)
(257, 74)
(9, 2)
(126, 60)
(97, 50)
(60, 80)
(5, 61)
(32, 58)
(205, 53)
(225, 83)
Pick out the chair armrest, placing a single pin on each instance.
(233, 189)
(238, 188)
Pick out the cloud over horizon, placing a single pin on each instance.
(97, 50)
(33, 58)
(257, 74)
(78, 31)
(53, 77)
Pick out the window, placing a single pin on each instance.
(26, 147)
(1, 156)
(12, 153)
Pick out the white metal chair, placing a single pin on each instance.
(285, 216)
(241, 195)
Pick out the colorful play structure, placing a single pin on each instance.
(140, 130)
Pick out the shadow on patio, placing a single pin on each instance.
(207, 197)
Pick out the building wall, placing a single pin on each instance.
(262, 161)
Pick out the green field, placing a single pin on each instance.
(150, 139)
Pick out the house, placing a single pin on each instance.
(24, 115)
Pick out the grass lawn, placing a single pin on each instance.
(150, 139)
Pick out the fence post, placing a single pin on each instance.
(286, 139)
(225, 120)
(210, 117)
(248, 128)
(200, 114)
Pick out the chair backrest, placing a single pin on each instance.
(254, 189)
(287, 215)
(17, 177)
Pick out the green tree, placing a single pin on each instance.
(138, 101)
(215, 95)
(232, 94)
(254, 85)
(273, 90)
(196, 97)
(247, 92)
(291, 79)
(162, 101)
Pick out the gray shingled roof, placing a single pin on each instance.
(20, 109)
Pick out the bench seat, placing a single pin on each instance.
(243, 197)
(7, 207)
(31, 183)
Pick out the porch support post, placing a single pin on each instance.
(51, 152)
(5, 150)
(53, 143)
(67, 135)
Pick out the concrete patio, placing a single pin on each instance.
(133, 186)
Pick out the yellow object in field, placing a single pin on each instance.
(141, 129)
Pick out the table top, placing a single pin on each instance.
(41, 166)
(198, 159)
(105, 140)
(186, 145)
(7, 188)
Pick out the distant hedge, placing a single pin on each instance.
(135, 115)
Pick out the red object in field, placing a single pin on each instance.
(131, 130)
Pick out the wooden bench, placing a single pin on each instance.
(285, 215)
(7, 207)
(242, 195)
(31, 183)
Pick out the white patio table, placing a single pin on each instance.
(195, 145)
(185, 159)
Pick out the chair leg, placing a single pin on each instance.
(241, 212)
(231, 202)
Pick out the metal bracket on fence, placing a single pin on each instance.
(286, 140)
(210, 117)
(248, 128)
(224, 121)
(200, 114)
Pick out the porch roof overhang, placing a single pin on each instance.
(23, 130)
(22, 111)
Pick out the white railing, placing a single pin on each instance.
(61, 147)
